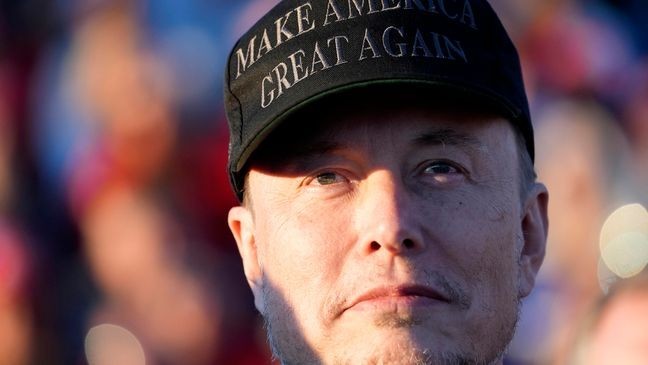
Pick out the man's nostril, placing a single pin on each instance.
(408, 243)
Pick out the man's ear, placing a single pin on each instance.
(241, 224)
(534, 226)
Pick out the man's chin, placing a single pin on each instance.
(387, 336)
(406, 339)
(402, 352)
(399, 340)
(411, 326)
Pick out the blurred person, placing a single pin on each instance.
(614, 332)
(382, 157)
(573, 48)
(102, 100)
(16, 316)
(130, 243)
(587, 167)
(108, 124)
(7, 144)
(635, 115)
(16, 264)
(135, 255)
(126, 89)
(585, 164)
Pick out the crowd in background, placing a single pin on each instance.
(114, 192)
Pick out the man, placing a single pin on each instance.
(382, 153)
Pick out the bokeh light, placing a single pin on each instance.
(109, 344)
(624, 240)
(606, 277)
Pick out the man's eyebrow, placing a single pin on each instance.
(447, 136)
(318, 147)
(304, 155)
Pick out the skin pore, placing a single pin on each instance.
(390, 235)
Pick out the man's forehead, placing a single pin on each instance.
(415, 127)
(395, 108)
(329, 133)
(418, 116)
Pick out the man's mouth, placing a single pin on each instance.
(399, 297)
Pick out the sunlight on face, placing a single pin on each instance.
(383, 244)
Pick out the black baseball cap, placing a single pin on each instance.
(304, 50)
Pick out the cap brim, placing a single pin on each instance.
(470, 92)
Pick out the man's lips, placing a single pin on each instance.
(402, 295)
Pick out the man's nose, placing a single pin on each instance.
(387, 218)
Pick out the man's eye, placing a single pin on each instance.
(328, 178)
(441, 168)
(441, 172)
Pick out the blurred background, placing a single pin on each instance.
(114, 246)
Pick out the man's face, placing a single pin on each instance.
(396, 236)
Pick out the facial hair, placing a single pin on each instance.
(289, 346)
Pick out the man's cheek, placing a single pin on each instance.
(304, 244)
(324, 228)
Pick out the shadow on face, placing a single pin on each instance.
(284, 335)
(385, 226)
(290, 346)
(320, 120)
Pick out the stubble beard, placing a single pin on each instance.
(289, 347)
